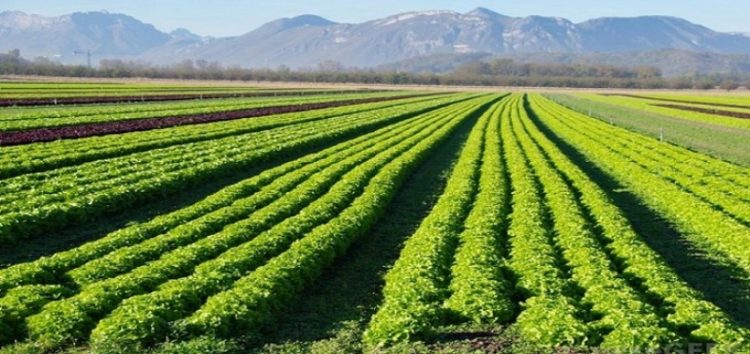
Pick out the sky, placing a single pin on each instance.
(235, 17)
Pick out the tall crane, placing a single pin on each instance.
(87, 53)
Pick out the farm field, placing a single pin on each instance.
(727, 142)
(691, 108)
(62, 89)
(371, 221)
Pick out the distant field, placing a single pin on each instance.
(705, 133)
(266, 220)
(661, 107)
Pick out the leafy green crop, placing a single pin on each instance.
(524, 247)
(689, 309)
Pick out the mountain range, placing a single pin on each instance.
(305, 41)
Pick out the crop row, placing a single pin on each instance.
(278, 179)
(46, 89)
(111, 112)
(107, 169)
(33, 203)
(140, 317)
(48, 96)
(246, 305)
(707, 110)
(222, 225)
(108, 114)
(697, 219)
(36, 101)
(518, 219)
(687, 103)
(116, 127)
(698, 136)
(694, 116)
(692, 174)
(171, 262)
(72, 318)
(689, 310)
(18, 160)
(627, 322)
(725, 101)
(416, 285)
(43, 192)
(550, 314)
(290, 191)
(135, 109)
(480, 288)
(181, 260)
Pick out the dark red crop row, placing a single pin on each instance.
(104, 128)
(144, 98)
(674, 100)
(706, 110)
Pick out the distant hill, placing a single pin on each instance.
(446, 37)
(104, 34)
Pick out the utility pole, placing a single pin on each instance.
(88, 56)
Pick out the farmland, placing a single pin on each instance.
(180, 219)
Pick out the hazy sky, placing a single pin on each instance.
(234, 17)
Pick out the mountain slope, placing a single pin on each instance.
(302, 41)
(657, 32)
(671, 62)
(305, 41)
(104, 34)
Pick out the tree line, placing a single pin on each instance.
(498, 72)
